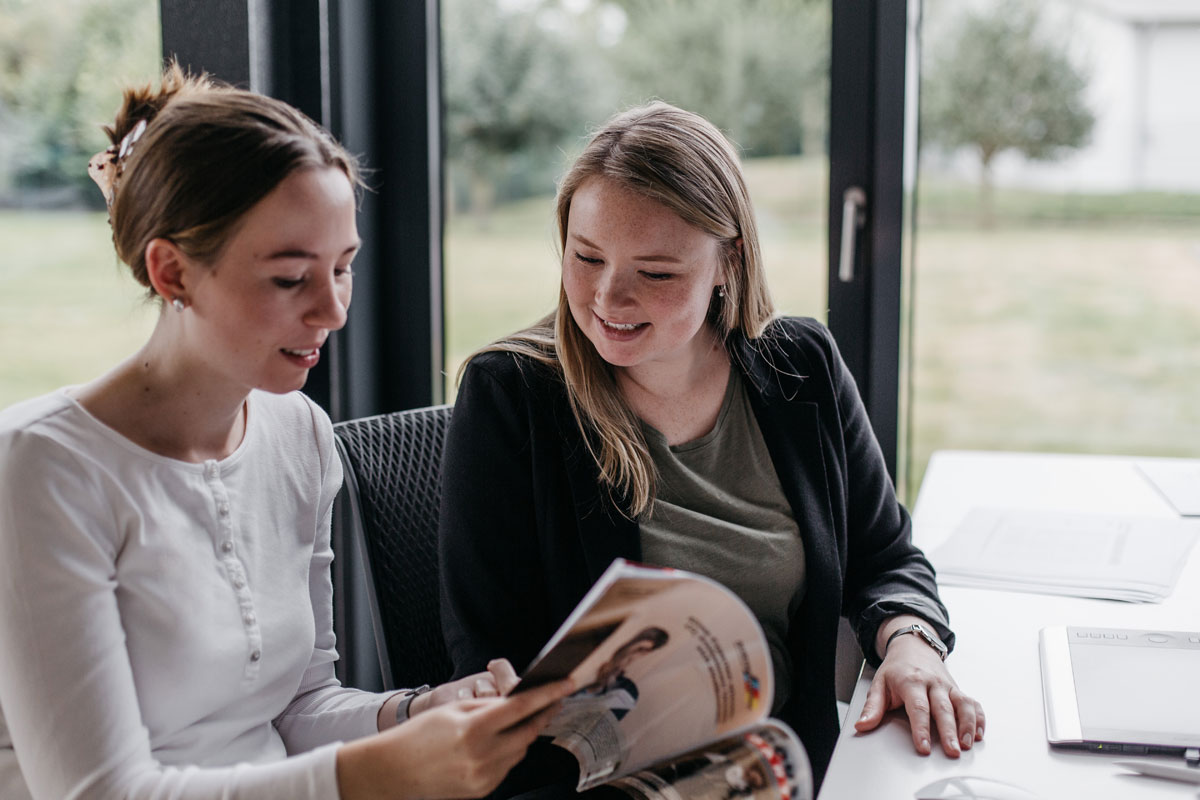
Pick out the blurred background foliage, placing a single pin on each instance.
(525, 78)
(62, 65)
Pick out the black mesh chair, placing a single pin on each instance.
(393, 466)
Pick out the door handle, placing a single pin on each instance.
(854, 216)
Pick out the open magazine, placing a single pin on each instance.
(676, 683)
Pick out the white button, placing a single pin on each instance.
(238, 583)
(210, 469)
(248, 619)
(255, 655)
(226, 546)
(223, 509)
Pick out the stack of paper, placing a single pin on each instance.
(1137, 559)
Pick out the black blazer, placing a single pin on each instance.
(526, 528)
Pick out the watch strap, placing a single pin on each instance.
(406, 698)
(923, 633)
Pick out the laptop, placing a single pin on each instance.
(1121, 690)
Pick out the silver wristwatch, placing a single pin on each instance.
(406, 698)
(920, 630)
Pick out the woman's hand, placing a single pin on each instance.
(913, 675)
(497, 681)
(462, 748)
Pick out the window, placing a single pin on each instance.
(68, 310)
(1056, 263)
(523, 84)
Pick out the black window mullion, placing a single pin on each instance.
(866, 150)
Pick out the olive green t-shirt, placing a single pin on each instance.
(720, 511)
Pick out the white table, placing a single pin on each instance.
(996, 658)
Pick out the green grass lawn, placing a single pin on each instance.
(68, 309)
(1050, 332)
(1057, 339)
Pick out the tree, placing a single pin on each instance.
(1000, 82)
(758, 69)
(513, 91)
(64, 63)
(526, 78)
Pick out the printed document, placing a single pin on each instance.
(1132, 558)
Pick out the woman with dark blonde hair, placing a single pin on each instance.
(664, 414)
(166, 621)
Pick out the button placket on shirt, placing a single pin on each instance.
(235, 570)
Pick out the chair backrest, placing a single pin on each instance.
(393, 465)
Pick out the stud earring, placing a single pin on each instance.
(177, 304)
(721, 291)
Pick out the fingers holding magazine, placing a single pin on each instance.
(462, 748)
(496, 681)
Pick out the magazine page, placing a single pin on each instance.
(766, 763)
(665, 660)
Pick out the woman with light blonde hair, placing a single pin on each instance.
(664, 414)
(166, 610)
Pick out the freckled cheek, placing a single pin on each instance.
(573, 283)
(684, 305)
(578, 290)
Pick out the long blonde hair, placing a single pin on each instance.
(683, 161)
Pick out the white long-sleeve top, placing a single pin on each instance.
(166, 628)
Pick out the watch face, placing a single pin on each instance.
(933, 640)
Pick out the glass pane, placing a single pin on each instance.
(68, 311)
(525, 80)
(1056, 263)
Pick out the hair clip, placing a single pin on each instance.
(127, 143)
(102, 168)
(105, 167)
